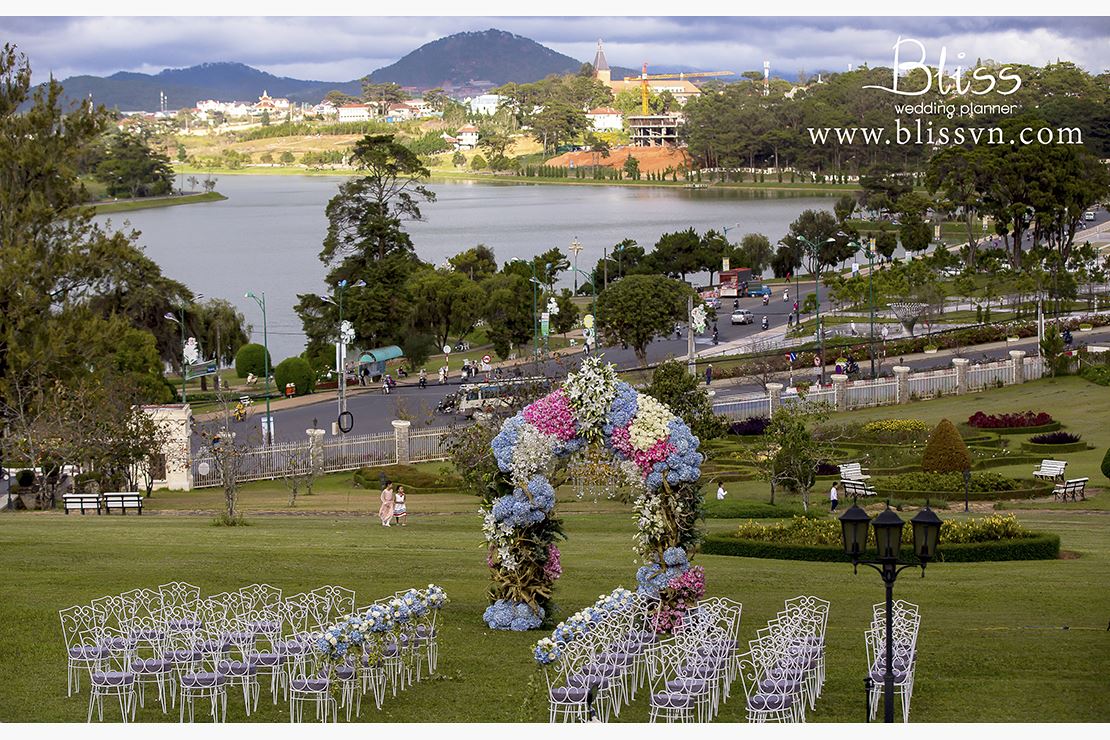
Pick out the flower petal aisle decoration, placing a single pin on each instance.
(659, 458)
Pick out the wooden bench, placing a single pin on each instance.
(856, 488)
(853, 471)
(1073, 487)
(1051, 470)
(81, 502)
(123, 500)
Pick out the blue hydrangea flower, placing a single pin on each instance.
(674, 556)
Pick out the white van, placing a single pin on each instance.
(496, 394)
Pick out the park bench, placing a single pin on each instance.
(81, 502)
(853, 471)
(1073, 487)
(1051, 470)
(123, 500)
(856, 488)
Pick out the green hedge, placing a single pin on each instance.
(1040, 546)
(1054, 449)
(1051, 427)
(740, 509)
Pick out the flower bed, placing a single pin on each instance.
(1054, 449)
(995, 537)
(1022, 420)
(983, 486)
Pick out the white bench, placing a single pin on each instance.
(81, 502)
(856, 488)
(853, 471)
(122, 500)
(1073, 487)
(1051, 470)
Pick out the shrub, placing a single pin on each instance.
(945, 451)
(751, 426)
(1106, 464)
(1039, 546)
(826, 467)
(981, 420)
(25, 478)
(297, 371)
(1099, 375)
(1055, 438)
(251, 358)
(895, 430)
(740, 509)
(951, 482)
(805, 531)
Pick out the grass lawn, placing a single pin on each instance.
(139, 204)
(999, 642)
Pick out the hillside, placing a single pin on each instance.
(184, 87)
(497, 56)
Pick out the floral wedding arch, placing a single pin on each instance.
(657, 455)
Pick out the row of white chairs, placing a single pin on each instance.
(904, 628)
(783, 671)
(194, 649)
(692, 671)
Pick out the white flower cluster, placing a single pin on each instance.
(697, 318)
(650, 424)
(591, 391)
(533, 454)
(651, 521)
(508, 560)
(498, 535)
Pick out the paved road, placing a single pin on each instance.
(373, 411)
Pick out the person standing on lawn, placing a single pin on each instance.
(385, 511)
(833, 498)
(399, 509)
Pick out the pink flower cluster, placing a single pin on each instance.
(680, 593)
(552, 569)
(658, 452)
(621, 441)
(552, 415)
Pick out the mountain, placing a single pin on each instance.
(184, 87)
(497, 56)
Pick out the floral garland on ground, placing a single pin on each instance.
(366, 635)
(655, 452)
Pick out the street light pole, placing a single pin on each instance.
(184, 370)
(268, 427)
(814, 250)
(888, 537)
(575, 248)
(535, 317)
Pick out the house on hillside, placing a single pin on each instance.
(423, 109)
(400, 112)
(606, 119)
(353, 113)
(324, 108)
(272, 105)
(484, 105)
(467, 137)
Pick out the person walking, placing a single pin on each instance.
(443, 375)
(833, 498)
(399, 509)
(709, 375)
(385, 511)
(720, 491)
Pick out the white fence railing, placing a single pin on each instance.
(367, 450)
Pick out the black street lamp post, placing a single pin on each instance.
(888, 541)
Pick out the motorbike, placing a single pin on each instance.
(447, 404)
(766, 300)
(766, 324)
(736, 303)
(423, 382)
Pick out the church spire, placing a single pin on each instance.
(601, 66)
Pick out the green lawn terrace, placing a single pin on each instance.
(1005, 641)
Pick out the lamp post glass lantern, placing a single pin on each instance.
(888, 541)
(268, 426)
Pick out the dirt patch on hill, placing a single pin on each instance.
(651, 158)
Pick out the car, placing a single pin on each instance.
(741, 316)
(755, 291)
(1089, 216)
(713, 303)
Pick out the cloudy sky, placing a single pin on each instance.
(344, 48)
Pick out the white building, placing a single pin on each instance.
(401, 112)
(484, 105)
(354, 112)
(325, 108)
(606, 119)
(467, 136)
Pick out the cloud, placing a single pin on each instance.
(336, 48)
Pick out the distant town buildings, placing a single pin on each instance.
(353, 113)
(606, 119)
(682, 90)
(467, 137)
(483, 105)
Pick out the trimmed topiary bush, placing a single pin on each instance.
(753, 425)
(945, 452)
(251, 358)
(1106, 464)
(297, 371)
(25, 478)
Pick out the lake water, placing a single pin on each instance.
(267, 235)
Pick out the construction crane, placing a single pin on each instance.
(644, 77)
